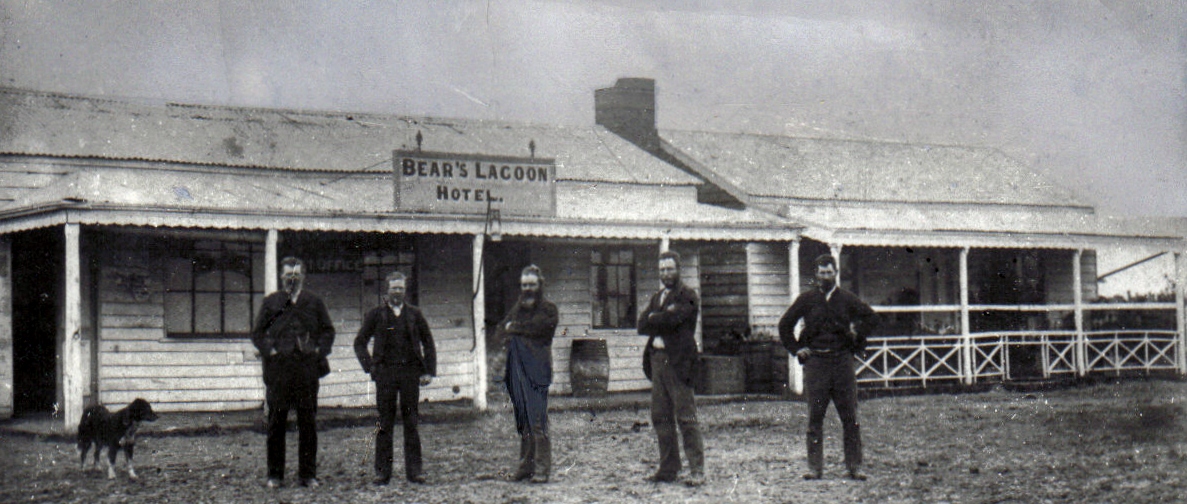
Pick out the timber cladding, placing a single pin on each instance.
(137, 356)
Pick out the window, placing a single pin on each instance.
(376, 266)
(612, 281)
(212, 288)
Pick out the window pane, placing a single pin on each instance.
(257, 271)
(208, 281)
(624, 280)
(237, 282)
(628, 256)
(177, 274)
(257, 300)
(611, 280)
(177, 312)
(237, 313)
(624, 316)
(614, 316)
(598, 316)
(595, 257)
(207, 313)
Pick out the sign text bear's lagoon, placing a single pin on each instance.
(438, 182)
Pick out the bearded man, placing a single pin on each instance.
(670, 361)
(294, 334)
(528, 330)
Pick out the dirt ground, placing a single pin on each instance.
(1119, 442)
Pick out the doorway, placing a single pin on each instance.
(37, 282)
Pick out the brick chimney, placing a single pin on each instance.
(628, 109)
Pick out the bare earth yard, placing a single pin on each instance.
(1119, 442)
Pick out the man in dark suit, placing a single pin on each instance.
(294, 334)
(402, 359)
(836, 323)
(528, 330)
(670, 360)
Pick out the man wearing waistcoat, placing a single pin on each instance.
(669, 361)
(294, 334)
(402, 359)
(836, 324)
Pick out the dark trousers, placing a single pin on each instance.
(399, 387)
(673, 406)
(830, 377)
(291, 382)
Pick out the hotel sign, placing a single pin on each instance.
(437, 182)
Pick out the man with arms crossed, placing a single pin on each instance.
(669, 361)
(528, 330)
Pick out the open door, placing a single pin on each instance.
(37, 281)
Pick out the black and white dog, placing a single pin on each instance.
(113, 431)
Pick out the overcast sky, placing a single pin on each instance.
(1091, 93)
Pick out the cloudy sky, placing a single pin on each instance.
(1091, 93)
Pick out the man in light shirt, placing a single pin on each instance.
(670, 362)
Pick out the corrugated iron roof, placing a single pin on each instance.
(956, 224)
(82, 127)
(846, 170)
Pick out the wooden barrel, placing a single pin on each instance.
(589, 367)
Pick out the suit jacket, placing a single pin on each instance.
(833, 316)
(379, 323)
(303, 329)
(308, 320)
(674, 320)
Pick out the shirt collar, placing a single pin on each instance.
(828, 296)
(396, 309)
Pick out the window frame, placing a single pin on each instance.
(602, 265)
(223, 258)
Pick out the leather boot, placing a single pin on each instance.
(543, 448)
(526, 465)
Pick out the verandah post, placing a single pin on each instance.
(968, 367)
(1078, 295)
(1180, 293)
(794, 370)
(479, 311)
(72, 335)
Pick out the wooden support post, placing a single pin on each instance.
(665, 243)
(271, 266)
(752, 252)
(835, 250)
(479, 311)
(1081, 341)
(6, 349)
(1180, 293)
(795, 371)
(969, 367)
(71, 351)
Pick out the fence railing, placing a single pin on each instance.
(922, 361)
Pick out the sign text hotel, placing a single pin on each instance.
(439, 182)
